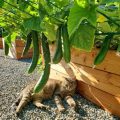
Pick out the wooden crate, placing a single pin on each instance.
(87, 58)
(1, 43)
(100, 85)
(17, 49)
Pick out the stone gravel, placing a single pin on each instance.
(13, 78)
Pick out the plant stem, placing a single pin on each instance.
(12, 18)
(18, 9)
(113, 21)
(115, 33)
(55, 5)
(11, 12)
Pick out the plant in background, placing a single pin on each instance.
(71, 23)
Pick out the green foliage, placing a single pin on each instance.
(84, 37)
(32, 23)
(78, 14)
(109, 1)
(1, 3)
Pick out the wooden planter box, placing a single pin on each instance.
(100, 85)
(17, 49)
(1, 43)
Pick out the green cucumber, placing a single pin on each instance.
(35, 57)
(27, 45)
(66, 44)
(58, 52)
(7, 42)
(104, 49)
(6, 48)
(45, 74)
(118, 48)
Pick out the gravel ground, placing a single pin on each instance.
(13, 78)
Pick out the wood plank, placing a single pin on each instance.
(110, 64)
(19, 43)
(99, 97)
(87, 58)
(17, 55)
(20, 50)
(105, 81)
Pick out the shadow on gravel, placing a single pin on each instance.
(81, 111)
(25, 60)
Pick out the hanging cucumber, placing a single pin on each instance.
(6, 48)
(118, 49)
(45, 74)
(7, 40)
(66, 44)
(104, 49)
(58, 52)
(27, 45)
(35, 51)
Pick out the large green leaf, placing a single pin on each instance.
(32, 23)
(13, 36)
(78, 14)
(50, 31)
(83, 38)
(1, 3)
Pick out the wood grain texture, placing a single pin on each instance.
(17, 49)
(110, 64)
(105, 81)
(99, 97)
(18, 43)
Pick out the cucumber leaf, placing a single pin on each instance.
(1, 3)
(83, 38)
(32, 23)
(79, 13)
(50, 31)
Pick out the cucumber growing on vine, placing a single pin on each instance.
(45, 74)
(27, 45)
(104, 49)
(35, 51)
(58, 52)
(7, 40)
(118, 49)
(66, 44)
(6, 48)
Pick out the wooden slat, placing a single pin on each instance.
(87, 58)
(110, 64)
(20, 49)
(18, 43)
(99, 97)
(17, 55)
(105, 81)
